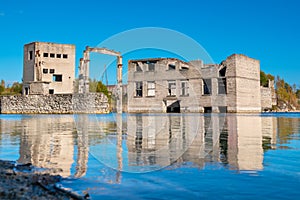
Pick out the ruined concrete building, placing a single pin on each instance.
(171, 85)
(49, 68)
(158, 84)
(268, 96)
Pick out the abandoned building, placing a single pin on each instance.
(172, 85)
(268, 96)
(48, 68)
(157, 84)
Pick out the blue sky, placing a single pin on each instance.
(267, 30)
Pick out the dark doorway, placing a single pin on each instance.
(26, 91)
(207, 109)
(174, 107)
(51, 91)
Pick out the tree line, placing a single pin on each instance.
(14, 89)
(286, 93)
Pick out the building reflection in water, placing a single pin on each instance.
(269, 131)
(50, 142)
(245, 151)
(159, 139)
(119, 147)
(233, 140)
(82, 127)
(146, 142)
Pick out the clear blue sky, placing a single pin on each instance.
(268, 30)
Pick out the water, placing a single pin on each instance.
(160, 156)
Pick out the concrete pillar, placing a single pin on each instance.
(119, 85)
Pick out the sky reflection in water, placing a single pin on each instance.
(162, 156)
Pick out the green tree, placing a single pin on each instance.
(298, 93)
(294, 88)
(3, 83)
(102, 88)
(1, 89)
(2, 86)
(270, 77)
(16, 88)
(285, 92)
(264, 79)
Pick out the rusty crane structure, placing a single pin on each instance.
(84, 72)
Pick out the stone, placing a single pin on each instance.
(55, 104)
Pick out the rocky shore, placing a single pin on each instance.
(28, 182)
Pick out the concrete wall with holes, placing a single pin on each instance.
(51, 64)
(239, 74)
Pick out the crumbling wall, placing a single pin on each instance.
(243, 84)
(54, 104)
(37, 88)
(242, 94)
(49, 62)
(161, 75)
(266, 98)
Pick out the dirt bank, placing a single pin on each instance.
(27, 182)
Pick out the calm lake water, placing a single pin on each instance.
(160, 156)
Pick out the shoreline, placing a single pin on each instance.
(103, 113)
(282, 111)
(24, 181)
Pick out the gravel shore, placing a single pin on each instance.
(27, 182)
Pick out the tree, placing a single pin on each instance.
(264, 79)
(3, 83)
(98, 86)
(270, 77)
(1, 89)
(285, 92)
(16, 88)
(2, 86)
(294, 88)
(102, 88)
(298, 93)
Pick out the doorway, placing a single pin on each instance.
(174, 107)
(26, 91)
(207, 109)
